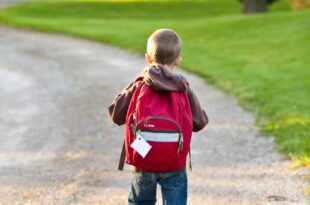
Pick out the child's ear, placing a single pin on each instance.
(177, 61)
(148, 59)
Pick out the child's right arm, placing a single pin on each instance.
(118, 109)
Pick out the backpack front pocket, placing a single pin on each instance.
(164, 151)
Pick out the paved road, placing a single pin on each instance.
(57, 145)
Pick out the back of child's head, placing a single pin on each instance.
(164, 46)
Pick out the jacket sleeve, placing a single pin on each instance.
(200, 118)
(118, 109)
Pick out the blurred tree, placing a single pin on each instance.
(253, 6)
(300, 4)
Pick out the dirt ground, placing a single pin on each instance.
(4, 3)
(58, 146)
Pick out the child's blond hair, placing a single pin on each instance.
(164, 46)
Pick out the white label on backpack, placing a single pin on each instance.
(141, 146)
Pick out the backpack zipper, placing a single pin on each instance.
(134, 126)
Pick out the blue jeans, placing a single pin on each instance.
(144, 184)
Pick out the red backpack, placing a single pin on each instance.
(164, 120)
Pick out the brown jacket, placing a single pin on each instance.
(159, 78)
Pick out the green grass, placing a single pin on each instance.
(261, 59)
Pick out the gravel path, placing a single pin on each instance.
(57, 145)
(4, 3)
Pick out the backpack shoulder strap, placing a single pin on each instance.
(121, 162)
(122, 158)
(190, 160)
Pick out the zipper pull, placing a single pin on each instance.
(181, 141)
(134, 117)
(133, 125)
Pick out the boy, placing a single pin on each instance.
(163, 55)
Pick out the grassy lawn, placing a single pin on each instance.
(261, 59)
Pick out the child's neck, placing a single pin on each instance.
(170, 67)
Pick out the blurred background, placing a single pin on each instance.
(256, 50)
